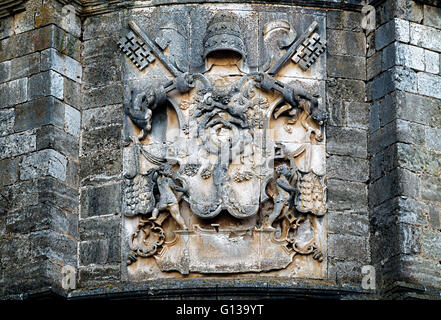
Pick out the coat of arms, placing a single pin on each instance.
(224, 165)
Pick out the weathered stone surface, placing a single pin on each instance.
(348, 224)
(72, 94)
(9, 171)
(17, 144)
(404, 55)
(54, 246)
(431, 188)
(344, 20)
(347, 195)
(92, 275)
(7, 119)
(431, 244)
(108, 138)
(426, 37)
(344, 271)
(98, 201)
(42, 163)
(94, 252)
(346, 43)
(347, 141)
(432, 61)
(346, 89)
(101, 96)
(347, 67)
(101, 117)
(25, 66)
(434, 217)
(347, 168)
(410, 239)
(13, 92)
(432, 139)
(39, 112)
(411, 211)
(428, 84)
(102, 26)
(396, 29)
(428, 111)
(72, 121)
(432, 16)
(47, 83)
(103, 163)
(51, 59)
(357, 114)
(348, 247)
(51, 137)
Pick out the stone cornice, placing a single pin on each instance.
(10, 7)
(94, 7)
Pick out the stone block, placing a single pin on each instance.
(51, 137)
(101, 73)
(17, 144)
(104, 227)
(411, 211)
(433, 141)
(6, 27)
(102, 26)
(5, 71)
(102, 96)
(347, 141)
(402, 54)
(54, 246)
(409, 10)
(51, 59)
(427, 113)
(434, 217)
(70, 21)
(432, 61)
(9, 171)
(46, 162)
(348, 247)
(93, 141)
(426, 37)
(409, 239)
(7, 119)
(94, 252)
(347, 195)
(107, 163)
(428, 84)
(57, 193)
(40, 112)
(382, 85)
(348, 224)
(405, 79)
(13, 92)
(432, 16)
(347, 168)
(420, 271)
(25, 66)
(344, 20)
(93, 275)
(409, 132)
(431, 188)
(349, 43)
(337, 112)
(346, 67)
(357, 114)
(102, 200)
(103, 116)
(72, 120)
(346, 89)
(373, 65)
(345, 271)
(374, 117)
(47, 83)
(20, 195)
(72, 94)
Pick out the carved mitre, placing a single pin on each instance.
(223, 33)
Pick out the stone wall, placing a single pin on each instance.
(62, 87)
(404, 193)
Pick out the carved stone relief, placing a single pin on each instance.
(224, 164)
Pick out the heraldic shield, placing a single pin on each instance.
(223, 160)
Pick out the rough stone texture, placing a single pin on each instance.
(62, 86)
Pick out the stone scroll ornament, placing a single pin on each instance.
(223, 168)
